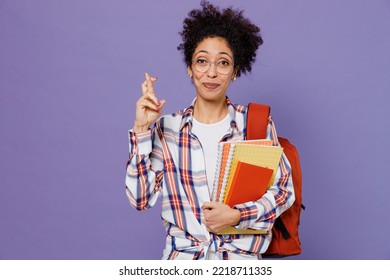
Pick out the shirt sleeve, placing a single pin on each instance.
(144, 169)
(261, 214)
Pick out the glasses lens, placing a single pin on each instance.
(224, 67)
(202, 66)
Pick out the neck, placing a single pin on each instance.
(209, 112)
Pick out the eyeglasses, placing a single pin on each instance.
(203, 65)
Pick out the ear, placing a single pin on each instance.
(189, 72)
(234, 75)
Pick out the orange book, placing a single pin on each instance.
(249, 183)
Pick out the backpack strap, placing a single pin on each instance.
(257, 121)
(256, 128)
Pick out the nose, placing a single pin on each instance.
(212, 72)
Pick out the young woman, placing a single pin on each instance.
(176, 159)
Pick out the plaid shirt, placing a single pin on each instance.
(169, 161)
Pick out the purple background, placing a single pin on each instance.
(70, 73)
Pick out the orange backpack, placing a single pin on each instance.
(285, 237)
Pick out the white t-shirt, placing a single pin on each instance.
(209, 136)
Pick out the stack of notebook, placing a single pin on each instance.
(245, 170)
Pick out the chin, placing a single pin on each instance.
(212, 96)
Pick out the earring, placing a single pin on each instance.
(234, 78)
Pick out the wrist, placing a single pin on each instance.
(140, 128)
(236, 217)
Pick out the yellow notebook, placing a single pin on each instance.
(233, 230)
(264, 156)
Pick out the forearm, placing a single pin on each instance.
(143, 182)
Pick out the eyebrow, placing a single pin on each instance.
(203, 51)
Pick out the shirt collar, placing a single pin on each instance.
(188, 114)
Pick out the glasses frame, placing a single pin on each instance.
(209, 66)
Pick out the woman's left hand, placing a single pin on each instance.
(218, 216)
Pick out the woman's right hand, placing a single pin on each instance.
(148, 107)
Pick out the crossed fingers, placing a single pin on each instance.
(150, 99)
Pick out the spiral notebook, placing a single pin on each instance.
(257, 152)
(264, 156)
(223, 160)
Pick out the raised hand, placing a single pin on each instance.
(148, 107)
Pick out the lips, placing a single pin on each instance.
(210, 85)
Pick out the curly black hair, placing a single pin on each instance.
(242, 36)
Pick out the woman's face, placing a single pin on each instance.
(210, 84)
